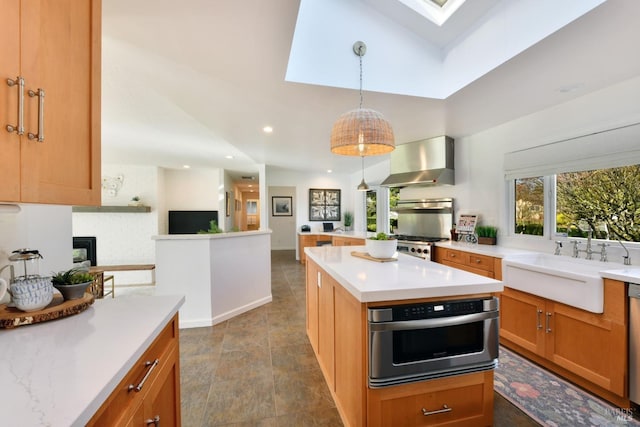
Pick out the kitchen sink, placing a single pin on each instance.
(574, 282)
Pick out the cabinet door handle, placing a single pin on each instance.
(151, 366)
(478, 261)
(19, 129)
(155, 421)
(548, 322)
(444, 409)
(40, 135)
(539, 318)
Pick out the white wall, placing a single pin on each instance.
(193, 189)
(305, 181)
(480, 184)
(46, 228)
(283, 228)
(125, 238)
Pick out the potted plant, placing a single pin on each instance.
(348, 221)
(135, 201)
(487, 234)
(72, 283)
(381, 246)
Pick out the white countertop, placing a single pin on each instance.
(59, 373)
(609, 270)
(354, 234)
(489, 250)
(407, 278)
(210, 236)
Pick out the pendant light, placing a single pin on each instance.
(362, 132)
(363, 185)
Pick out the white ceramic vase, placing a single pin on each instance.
(381, 248)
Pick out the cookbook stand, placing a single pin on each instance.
(466, 228)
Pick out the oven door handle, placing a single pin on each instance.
(432, 323)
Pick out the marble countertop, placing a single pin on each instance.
(407, 278)
(210, 236)
(354, 234)
(59, 373)
(609, 270)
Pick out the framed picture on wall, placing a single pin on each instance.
(324, 204)
(281, 206)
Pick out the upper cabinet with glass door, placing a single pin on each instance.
(50, 98)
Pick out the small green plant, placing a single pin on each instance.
(348, 219)
(381, 236)
(70, 277)
(135, 199)
(486, 231)
(213, 228)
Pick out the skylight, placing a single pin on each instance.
(436, 11)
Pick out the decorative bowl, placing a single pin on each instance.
(33, 302)
(381, 248)
(75, 291)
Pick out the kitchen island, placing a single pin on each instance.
(62, 372)
(340, 290)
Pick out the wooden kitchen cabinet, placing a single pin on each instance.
(337, 330)
(482, 265)
(54, 47)
(347, 241)
(469, 398)
(159, 397)
(587, 348)
(310, 240)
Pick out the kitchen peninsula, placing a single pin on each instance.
(221, 275)
(341, 289)
(70, 371)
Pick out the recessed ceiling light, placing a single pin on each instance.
(267, 129)
(186, 166)
(228, 157)
(329, 171)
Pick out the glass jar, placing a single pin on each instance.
(26, 263)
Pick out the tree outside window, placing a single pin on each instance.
(605, 201)
(529, 206)
(371, 208)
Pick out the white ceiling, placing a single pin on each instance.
(191, 82)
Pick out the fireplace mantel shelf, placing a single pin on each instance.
(111, 209)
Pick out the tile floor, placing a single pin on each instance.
(258, 369)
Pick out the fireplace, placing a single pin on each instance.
(84, 248)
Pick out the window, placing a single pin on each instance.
(529, 206)
(371, 210)
(603, 201)
(394, 195)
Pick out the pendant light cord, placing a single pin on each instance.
(360, 55)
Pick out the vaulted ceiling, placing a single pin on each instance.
(194, 82)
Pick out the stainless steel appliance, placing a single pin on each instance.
(419, 246)
(634, 343)
(421, 223)
(415, 342)
(427, 162)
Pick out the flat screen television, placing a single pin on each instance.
(190, 222)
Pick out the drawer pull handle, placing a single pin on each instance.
(151, 366)
(444, 409)
(548, 322)
(155, 421)
(19, 128)
(40, 136)
(539, 320)
(477, 260)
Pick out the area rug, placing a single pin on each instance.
(550, 400)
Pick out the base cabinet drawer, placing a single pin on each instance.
(463, 400)
(150, 388)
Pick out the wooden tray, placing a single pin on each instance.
(366, 255)
(10, 317)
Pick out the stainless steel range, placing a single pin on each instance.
(420, 246)
(421, 223)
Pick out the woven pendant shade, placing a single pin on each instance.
(362, 132)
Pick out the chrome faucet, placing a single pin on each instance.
(558, 247)
(625, 258)
(603, 251)
(574, 250)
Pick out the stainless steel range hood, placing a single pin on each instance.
(422, 163)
